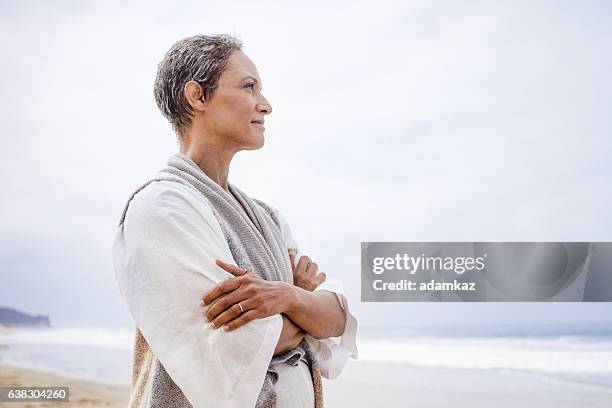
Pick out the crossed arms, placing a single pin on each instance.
(303, 310)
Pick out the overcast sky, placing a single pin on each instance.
(393, 121)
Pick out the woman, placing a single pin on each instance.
(225, 315)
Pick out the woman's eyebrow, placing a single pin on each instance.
(250, 77)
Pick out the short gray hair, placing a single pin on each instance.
(201, 58)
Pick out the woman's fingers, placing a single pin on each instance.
(222, 304)
(261, 297)
(241, 320)
(292, 254)
(221, 289)
(305, 274)
(303, 263)
(225, 286)
(233, 269)
(228, 314)
(321, 277)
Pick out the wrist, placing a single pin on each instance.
(292, 298)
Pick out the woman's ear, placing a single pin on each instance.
(194, 95)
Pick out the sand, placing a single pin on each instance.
(365, 384)
(82, 393)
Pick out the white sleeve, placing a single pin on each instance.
(334, 352)
(164, 258)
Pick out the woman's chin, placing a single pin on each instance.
(256, 142)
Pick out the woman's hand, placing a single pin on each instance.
(305, 273)
(258, 297)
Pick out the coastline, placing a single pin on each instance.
(389, 385)
(365, 384)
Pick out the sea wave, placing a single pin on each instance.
(113, 339)
(568, 356)
(578, 359)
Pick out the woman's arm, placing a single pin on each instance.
(306, 278)
(317, 313)
(290, 337)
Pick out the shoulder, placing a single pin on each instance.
(162, 204)
(160, 197)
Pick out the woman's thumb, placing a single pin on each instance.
(292, 253)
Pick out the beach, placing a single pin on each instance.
(390, 385)
(364, 385)
(82, 393)
(561, 367)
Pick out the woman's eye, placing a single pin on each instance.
(250, 85)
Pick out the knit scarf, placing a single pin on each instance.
(256, 244)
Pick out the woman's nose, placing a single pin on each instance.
(264, 106)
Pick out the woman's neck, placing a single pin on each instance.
(211, 158)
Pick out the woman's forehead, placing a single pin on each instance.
(240, 67)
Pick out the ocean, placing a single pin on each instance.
(573, 355)
(95, 354)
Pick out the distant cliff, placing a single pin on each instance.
(12, 317)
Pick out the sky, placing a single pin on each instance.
(393, 121)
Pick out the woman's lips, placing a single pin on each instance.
(258, 124)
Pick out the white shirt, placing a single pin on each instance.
(164, 257)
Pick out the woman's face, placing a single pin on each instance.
(235, 113)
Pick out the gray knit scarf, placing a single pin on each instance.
(256, 244)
